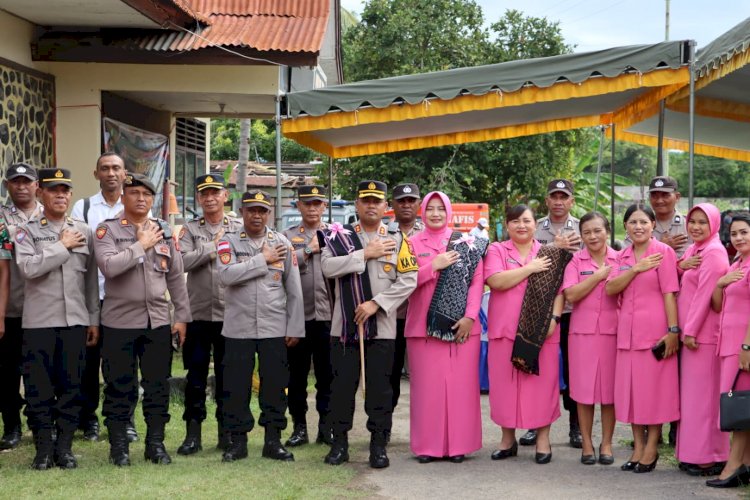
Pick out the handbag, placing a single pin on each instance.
(734, 409)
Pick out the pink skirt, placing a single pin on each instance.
(699, 440)
(445, 411)
(647, 391)
(591, 361)
(730, 365)
(519, 400)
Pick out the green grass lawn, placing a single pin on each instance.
(198, 476)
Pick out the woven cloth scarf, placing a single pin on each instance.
(448, 303)
(536, 310)
(353, 289)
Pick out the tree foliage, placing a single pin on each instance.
(397, 37)
(225, 141)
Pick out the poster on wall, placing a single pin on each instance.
(144, 152)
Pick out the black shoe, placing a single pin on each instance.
(118, 445)
(192, 442)
(588, 459)
(63, 456)
(237, 448)
(91, 431)
(642, 468)
(684, 466)
(378, 457)
(576, 440)
(12, 438)
(528, 439)
(387, 434)
(713, 470)
(510, 452)
(324, 437)
(298, 437)
(338, 455)
(275, 451)
(629, 465)
(224, 441)
(605, 459)
(457, 459)
(738, 478)
(44, 446)
(425, 459)
(543, 458)
(156, 453)
(131, 433)
(65, 460)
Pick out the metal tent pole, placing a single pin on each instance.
(691, 155)
(278, 161)
(612, 187)
(330, 190)
(599, 166)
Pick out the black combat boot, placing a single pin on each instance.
(155, 451)
(378, 456)
(63, 456)
(237, 447)
(339, 450)
(11, 432)
(224, 438)
(44, 449)
(298, 437)
(119, 454)
(192, 443)
(272, 447)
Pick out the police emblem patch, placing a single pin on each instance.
(659, 183)
(20, 235)
(225, 257)
(100, 232)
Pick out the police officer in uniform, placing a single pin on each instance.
(671, 227)
(140, 263)
(21, 183)
(198, 240)
(264, 315)
(561, 229)
(55, 255)
(379, 260)
(316, 346)
(405, 203)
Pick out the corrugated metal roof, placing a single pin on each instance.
(264, 25)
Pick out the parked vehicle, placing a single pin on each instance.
(343, 211)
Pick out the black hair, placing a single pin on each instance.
(517, 211)
(106, 154)
(635, 207)
(591, 216)
(740, 217)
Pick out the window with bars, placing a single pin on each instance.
(190, 161)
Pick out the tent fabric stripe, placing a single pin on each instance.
(701, 149)
(505, 77)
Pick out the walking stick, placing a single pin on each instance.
(361, 332)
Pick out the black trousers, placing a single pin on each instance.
(202, 338)
(568, 403)
(52, 369)
(11, 358)
(379, 392)
(398, 360)
(316, 346)
(90, 390)
(239, 363)
(121, 350)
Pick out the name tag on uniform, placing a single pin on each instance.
(584, 273)
(512, 261)
(425, 254)
(543, 242)
(624, 268)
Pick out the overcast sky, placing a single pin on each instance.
(599, 24)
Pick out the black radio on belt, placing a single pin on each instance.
(164, 226)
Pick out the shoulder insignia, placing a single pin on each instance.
(243, 234)
(270, 235)
(69, 219)
(226, 221)
(677, 219)
(124, 222)
(183, 231)
(381, 230)
(20, 235)
(301, 229)
(569, 224)
(101, 231)
(202, 221)
(13, 209)
(43, 221)
(545, 224)
(357, 228)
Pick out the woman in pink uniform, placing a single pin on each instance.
(700, 443)
(517, 399)
(445, 412)
(731, 298)
(592, 345)
(647, 392)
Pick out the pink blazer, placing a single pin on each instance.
(419, 301)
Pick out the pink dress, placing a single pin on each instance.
(647, 391)
(733, 328)
(592, 344)
(517, 399)
(445, 411)
(699, 439)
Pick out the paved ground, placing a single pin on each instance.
(480, 477)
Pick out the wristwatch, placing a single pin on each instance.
(308, 251)
(556, 318)
(674, 329)
(745, 347)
